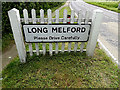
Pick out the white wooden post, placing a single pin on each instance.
(42, 21)
(72, 21)
(86, 22)
(25, 14)
(14, 17)
(33, 12)
(79, 22)
(57, 21)
(49, 22)
(119, 6)
(64, 21)
(96, 21)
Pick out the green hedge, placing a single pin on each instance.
(6, 6)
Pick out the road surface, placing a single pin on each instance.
(109, 28)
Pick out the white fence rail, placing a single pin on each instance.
(16, 21)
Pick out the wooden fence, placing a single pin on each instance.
(16, 25)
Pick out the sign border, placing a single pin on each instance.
(55, 24)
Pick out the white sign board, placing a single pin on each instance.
(56, 33)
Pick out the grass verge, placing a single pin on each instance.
(7, 42)
(64, 70)
(113, 6)
(68, 70)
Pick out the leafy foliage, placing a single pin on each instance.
(6, 6)
(7, 37)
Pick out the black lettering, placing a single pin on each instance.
(33, 30)
(45, 30)
(54, 29)
(78, 29)
(28, 30)
(62, 37)
(64, 30)
(59, 29)
(35, 37)
(73, 29)
(50, 38)
(68, 29)
(83, 29)
(39, 30)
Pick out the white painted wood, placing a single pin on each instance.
(44, 48)
(14, 17)
(49, 22)
(63, 47)
(42, 21)
(71, 21)
(79, 22)
(42, 16)
(82, 46)
(96, 21)
(54, 20)
(30, 49)
(56, 49)
(33, 12)
(37, 48)
(69, 46)
(72, 16)
(57, 16)
(87, 15)
(79, 17)
(86, 22)
(50, 49)
(64, 21)
(75, 46)
(49, 13)
(57, 21)
(65, 16)
(17, 32)
(41, 51)
(25, 14)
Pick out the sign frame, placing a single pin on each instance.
(55, 24)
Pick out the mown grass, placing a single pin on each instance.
(113, 6)
(63, 70)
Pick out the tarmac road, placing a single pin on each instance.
(109, 28)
